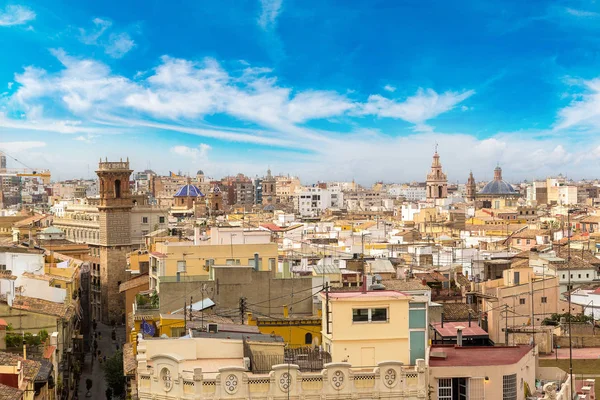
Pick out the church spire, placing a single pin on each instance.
(437, 182)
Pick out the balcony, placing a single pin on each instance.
(147, 301)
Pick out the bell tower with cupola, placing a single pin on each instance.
(115, 235)
(268, 188)
(437, 182)
(471, 187)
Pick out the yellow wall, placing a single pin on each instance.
(355, 342)
(196, 256)
(164, 325)
(135, 259)
(292, 330)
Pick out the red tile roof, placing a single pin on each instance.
(450, 328)
(368, 294)
(476, 356)
(271, 227)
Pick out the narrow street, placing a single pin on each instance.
(93, 369)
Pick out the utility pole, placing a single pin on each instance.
(184, 316)
(532, 317)
(202, 310)
(327, 307)
(506, 325)
(242, 308)
(191, 302)
(569, 299)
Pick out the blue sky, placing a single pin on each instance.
(329, 90)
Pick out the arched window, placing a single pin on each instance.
(118, 189)
(308, 338)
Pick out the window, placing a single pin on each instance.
(544, 299)
(117, 188)
(161, 220)
(308, 338)
(370, 315)
(232, 261)
(453, 389)
(518, 241)
(2, 267)
(181, 266)
(509, 387)
(144, 220)
(521, 301)
(528, 241)
(360, 315)
(444, 389)
(587, 275)
(379, 314)
(564, 276)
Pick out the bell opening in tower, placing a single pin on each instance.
(117, 189)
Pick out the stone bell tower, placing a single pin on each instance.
(115, 235)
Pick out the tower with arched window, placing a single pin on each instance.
(115, 235)
(437, 182)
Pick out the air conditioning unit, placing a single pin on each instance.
(213, 328)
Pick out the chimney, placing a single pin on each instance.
(469, 319)
(196, 235)
(24, 349)
(442, 320)
(286, 311)
(459, 338)
(364, 283)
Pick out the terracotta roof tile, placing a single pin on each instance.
(30, 367)
(476, 355)
(457, 311)
(40, 306)
(10, 393)
(134, 282)
(402, 285)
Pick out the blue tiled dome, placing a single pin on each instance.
(188, 191)
(498, 187)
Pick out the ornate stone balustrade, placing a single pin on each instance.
(389, 380)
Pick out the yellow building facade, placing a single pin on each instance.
(365, 328)
(169, 259)
(295, 331)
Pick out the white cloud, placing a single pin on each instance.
(179, 94)
(10, 85)
(119, 44)
(417, 109)
(192, 152)
(584, 109)
(17, 147)
(115, 46)
(269, 10)
(89, 138)
(581, 13)
(100, 26)
(389, 88)
(16, 15)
